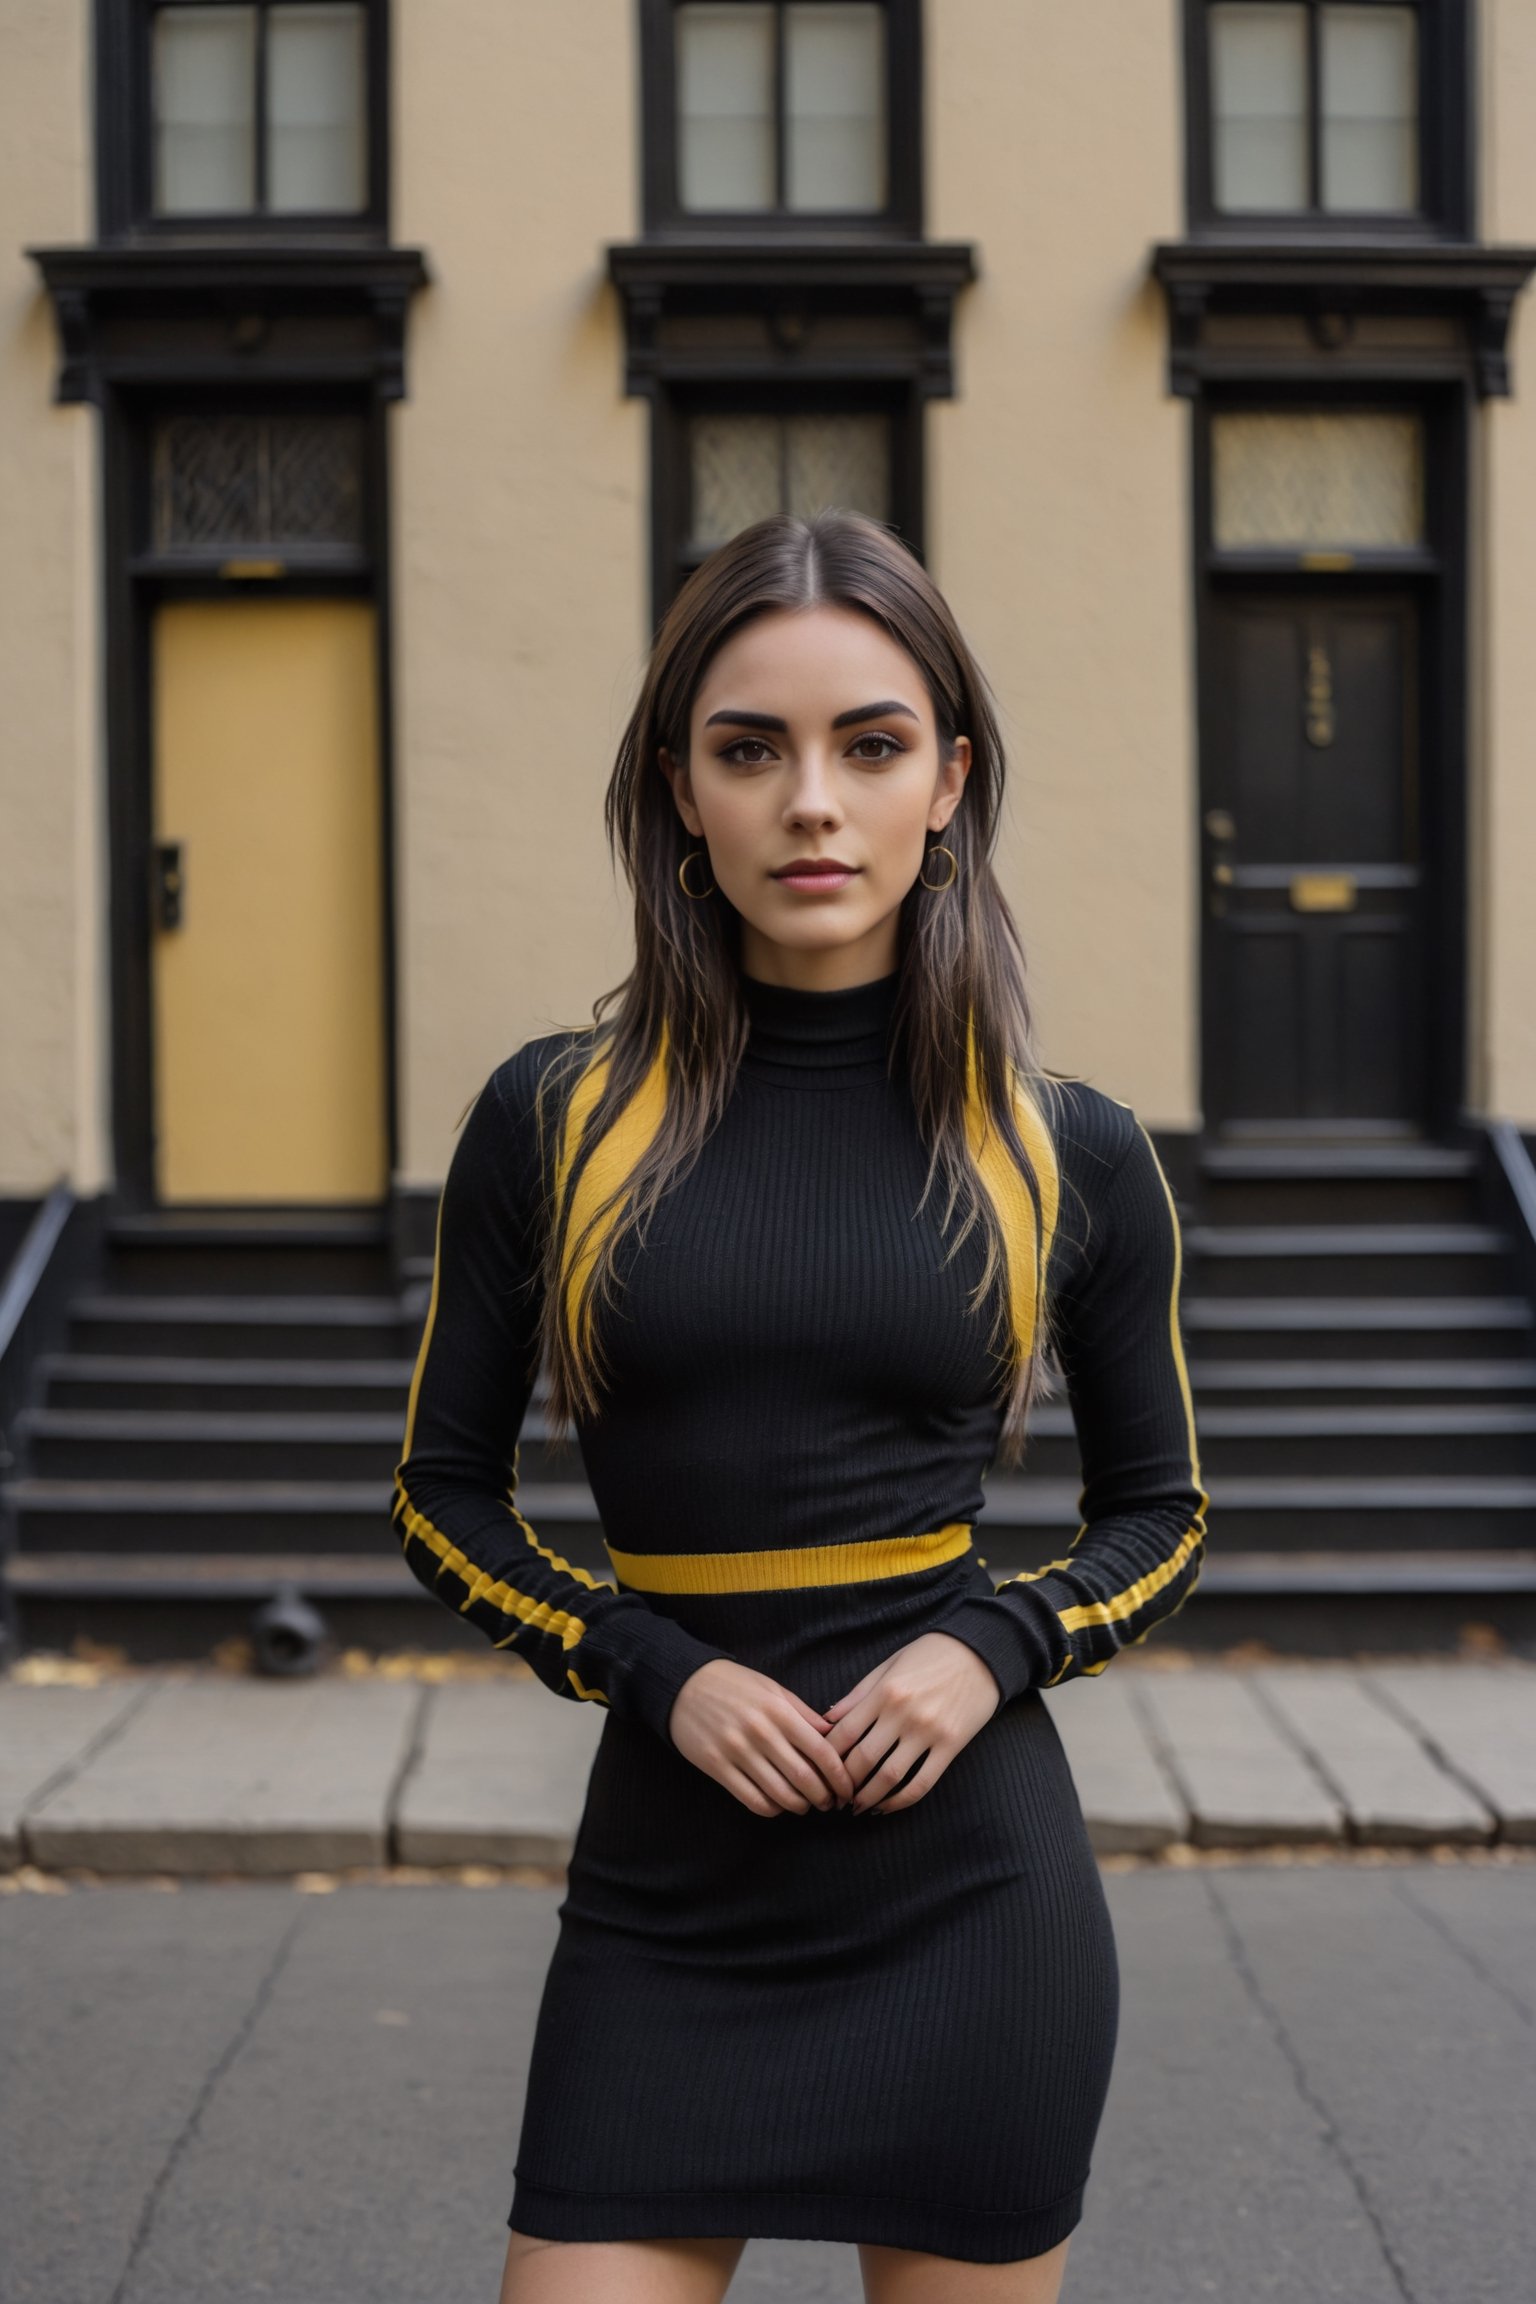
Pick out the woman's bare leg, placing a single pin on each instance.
(618, 2271)
(907, 2276)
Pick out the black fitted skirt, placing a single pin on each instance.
(887, 2028)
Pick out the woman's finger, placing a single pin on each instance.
(866, 1759)
(889, 1774)
(923, 1782)
(775, 1784)
(827, 1762)
(741, 1787)
(860, 1688)
(845, 1736)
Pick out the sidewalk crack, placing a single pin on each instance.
(1304, 2088)
(1448, 1935)
(205, 2095)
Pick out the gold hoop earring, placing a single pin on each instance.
(694, 895)
(937, 887)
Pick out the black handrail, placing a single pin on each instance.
(1513, 1179)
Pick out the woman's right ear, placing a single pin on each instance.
(682, 791)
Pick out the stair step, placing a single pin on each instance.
(1419, 1327)
(255, 1576)
(81, 1380)
(1283, 1161)
(1442, 1259)
(1313, 1240)
(227, 1326)
(1417, 1376)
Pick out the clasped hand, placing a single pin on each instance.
(778, 1756)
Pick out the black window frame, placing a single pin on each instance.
(664, 213)
(125, 135)
(1446, 208)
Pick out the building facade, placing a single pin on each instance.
(372, 373)
(371, 380)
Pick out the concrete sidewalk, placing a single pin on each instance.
(209, 1773)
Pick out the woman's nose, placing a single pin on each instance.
(814, 797)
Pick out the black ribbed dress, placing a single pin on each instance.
(889, 2028)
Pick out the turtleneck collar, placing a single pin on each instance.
(822, 1032)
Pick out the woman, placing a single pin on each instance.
(791, 1227)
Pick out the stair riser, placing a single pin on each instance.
(248, 1271)
(1327, 1625)
(123, 1532)
(1339, 1200)
(1456, 1273)
(266, 1396)
(1322, 1455)
(241, 1340)
(277, 1459)
(1334, 1344)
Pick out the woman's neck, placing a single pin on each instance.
(832, 968)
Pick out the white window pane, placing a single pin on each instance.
(1259, 108)
(1370, 102)
(1308, 481)
(844, 460)
(835, 104)
(317, 159)
(737, 472)
(725, 123)
(205, 111)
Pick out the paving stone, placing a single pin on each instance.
(1394, 1792)
(226, 1775)
(1127, 1800)
(499, 1777)
(44, 1734)
(1481, 1722)
(1242, 1781)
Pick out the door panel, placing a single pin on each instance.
(1315, 993)
(268, 997)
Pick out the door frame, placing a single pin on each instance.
(134, 585)
(1438, 575)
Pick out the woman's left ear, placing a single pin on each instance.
(950, 788)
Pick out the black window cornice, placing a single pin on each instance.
(230, 312)
(1331, 285)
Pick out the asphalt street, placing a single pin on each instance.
(1324, 2093)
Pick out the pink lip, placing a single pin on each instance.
(806, 873)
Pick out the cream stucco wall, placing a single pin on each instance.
(1059, 509)
(520, 554)
(53, 1064)
(1504, 814)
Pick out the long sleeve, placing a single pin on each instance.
(1138, 1554)
(454, 1507)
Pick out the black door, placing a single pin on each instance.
(1315, 993)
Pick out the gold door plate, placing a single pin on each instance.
(1323, 892)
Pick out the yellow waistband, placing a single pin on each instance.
(783, 1570)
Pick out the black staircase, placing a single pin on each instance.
(227, 1407)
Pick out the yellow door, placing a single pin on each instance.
(268, 996)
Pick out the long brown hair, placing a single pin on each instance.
(655, 1071)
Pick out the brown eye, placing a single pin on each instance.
(734, 752)
(889, 747)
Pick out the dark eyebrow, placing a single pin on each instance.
(750, 720)
(874, 712)
(777, 727)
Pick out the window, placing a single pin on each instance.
(1303, 480)
(744, 467)
(726, 457)
(775, 114)
(264, 114)
(231, 482)
(1320, 113)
